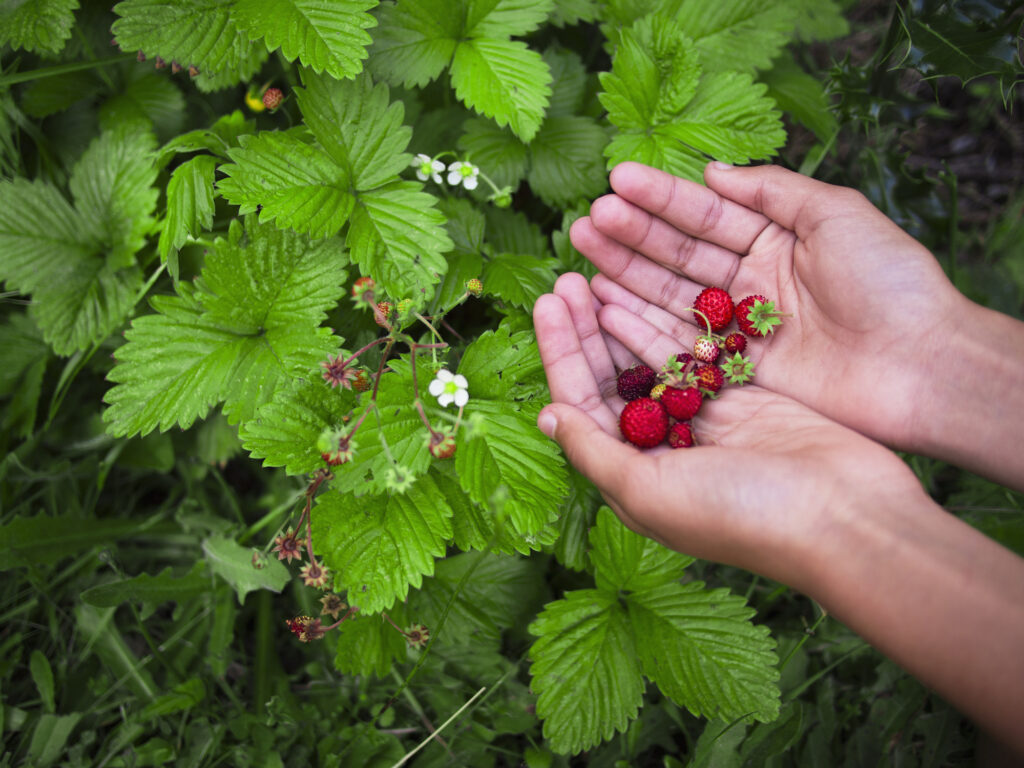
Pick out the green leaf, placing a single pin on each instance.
(200, 33)
(624, 560)
(658, 150)
(519, 279)
(508, 456)
(234, 563)
(801, 95)
(284, 432)
(250, 326)
(512, 232)
(358, 126)
(103, 638)
(218, 138)
(703, 653)
(742, 35)
(585, 670)
(379, 546)
(151, 590)
(496, 150)
(567, 163)
(568, 82)
(369, 645)
(147, 98)
(570, 12)
(49, 95)
(505, 18)
(296, 184)
(397, 235)
(819, 20)
(190, 204)
(42, 676)
(183, 697)
(324, 37)
(504, 80)
(42, 540)
(50, 737)
(37, 25)
(501, 365)
(415, 41)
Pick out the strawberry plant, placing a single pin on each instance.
(268, 271)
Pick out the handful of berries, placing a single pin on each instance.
(659, 406)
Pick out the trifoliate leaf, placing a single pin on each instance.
(324, 37)
(505, 18)
(358, 126)
(249, 327)
(624, 560)
(742, 35)
(284, 431)
(585, 670)
(496, 150)
(233, 563)
(78, 263)
(658, 150)
(507, 454)
(296, 184)
(566, 160)
(398, 236)
(37, 25)
(504, 80)
(501, 365)
(495, 596)
(519, 279)
(415, 41)
(189, 204)
(379, 546)
(701, 650)
(369, 645)
(200, 33)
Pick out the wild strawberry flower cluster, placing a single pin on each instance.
(460, 172)
(337, 445)
(660, 406)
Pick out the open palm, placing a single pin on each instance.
(869, 305)
(770, 475)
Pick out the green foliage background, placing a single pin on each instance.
(177, 266)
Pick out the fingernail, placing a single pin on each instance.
(547, 422)
(720, 166)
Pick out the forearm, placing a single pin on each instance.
(937, 597)
(970, 409)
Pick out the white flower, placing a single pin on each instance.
(450, 388)
(463, 173)
(427, 168)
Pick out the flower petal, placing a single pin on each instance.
(445, 399)
(436, 387)
(461, 398)
(469, 182)
(460, 381)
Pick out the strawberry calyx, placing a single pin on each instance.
(738, 369)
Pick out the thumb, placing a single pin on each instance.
(601, 457)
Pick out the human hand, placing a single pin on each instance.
(871, 307)
(771, 482)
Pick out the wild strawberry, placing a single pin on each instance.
(657, 390)
(361, 286)
(757, 316)
(738, 369)
(682, 404)
(636, 382)
(705, 349)
(644, 422)
(735, 342)
(405, 306)
(680, 435)
(442, 446)
(474, 286)
(336, 446)
(709, 378)
(383, 313)
(684, 359)
(361, 383)
(272, 98)
(716, 305)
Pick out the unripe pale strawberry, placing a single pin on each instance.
(705, 349)
(272, 98)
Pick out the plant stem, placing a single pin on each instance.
(61, 69)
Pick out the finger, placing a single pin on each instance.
(794, 201)
(645, 340)
(574, 290)
(688, 206)
(653, 282)
(700, 260)
(569, 375)
(610, 292)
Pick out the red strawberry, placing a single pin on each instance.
(361, 286)
(735, 342)
(680, 435)
(716, 305)
(682, 404)
(272, 98)
(385, 308)
(636, 382)
(684, 359)
(709, 377)
(442, 446)
(757, 316)
(644, 422)
(705, 349)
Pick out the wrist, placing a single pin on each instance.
(970, 400)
